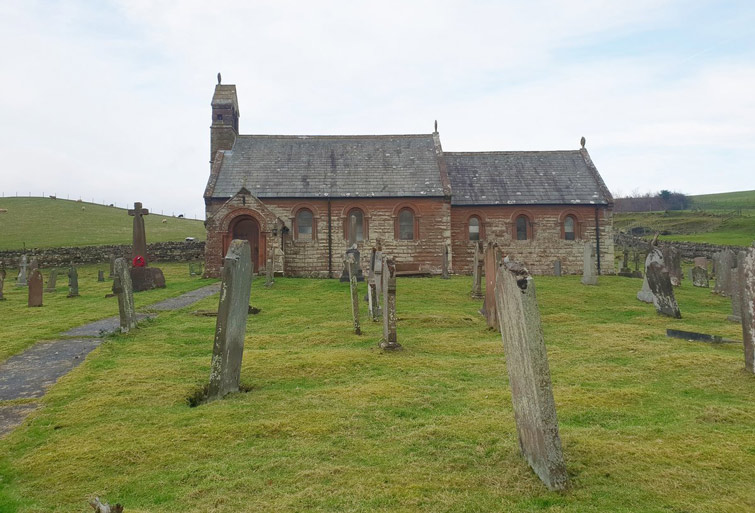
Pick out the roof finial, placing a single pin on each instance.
(218, 78)
(436, 126)
(582, 142)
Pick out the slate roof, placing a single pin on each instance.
(525, 178)
(280, 166)
(225, 96)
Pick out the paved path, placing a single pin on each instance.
(28, 375)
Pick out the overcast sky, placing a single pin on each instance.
(110, 100)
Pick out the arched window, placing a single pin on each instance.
(358, 216)
(474, 228)
(406, 224)
(304, 224)
(570, 225)
(522, 228)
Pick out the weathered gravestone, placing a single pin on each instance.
(35, 288)
(637, 273)
(354, 293)
(123, 288)
(701, 262)
(52, 281)
(352, 251)
(21, 279)
(270, 271)
(378, 267)
(699, 276)
(34, 265)
(746, 274)
(477, 271)
(736, 290)
(625, 270)
(557, 268)
(143, 277)
(588, 274)
(100, 275)
(3, 274)
(672, 259)
(372, 297)
(663, 292)
(73, 282)
(233, 309)
(112, 266)
(492, 262)
(390, 339)
(725, 262)
(529, 375)
(195, 268)
(444, 271)
(646, 294)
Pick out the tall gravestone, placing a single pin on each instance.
(143, 277)
(672, 259)
(3, 274)
(646, 294)
(746, 273)
(379, 291)
(354, 293)
(373, 298)
(230, 328)
(557, 268)
(112, 266)
(637, 273)
(270, 271)
(444, 271)
(725, 262)
(589, 277)
(390, 338)
(52, 281)
(73, 282)
(100, 275)
(352, 251)
(21, 279)
(625, 270)
(659, 281)
(736, 290)
(477, 270)
(529, 375)
(123, 288)
(492, 262)
(35, 288)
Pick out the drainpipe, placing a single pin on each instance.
(330, 241)
(597, 237)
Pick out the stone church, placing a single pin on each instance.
(293, 198)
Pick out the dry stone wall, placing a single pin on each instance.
(688, 250)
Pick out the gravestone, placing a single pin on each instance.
(725, 262)
(492, 262)
(112, 266)
(736, 290)
(21, 279)
(378, 269)
(672, 260)
(699, 276)
(143, 277)
(477, 270)
(372, 299)
(123, 288)
(100, 275)
(230, 327)
(646, 294)
(35, 288)
(588, 274)
(659, 281)
(444, 271)
(625, 270)
(33, 265)
(637, 273)
(390, 340)
(195, 268)
(354, 293)
(270, 271)
(746, 273)
(557, 268)
(352, 251)
(3, 274)
(73, 282)
(701, 262)
(52, 281)
(529, 375)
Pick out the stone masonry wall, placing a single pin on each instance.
(546, 242)
(58, 257)
(689, 250)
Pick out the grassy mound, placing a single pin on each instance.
(49, 223)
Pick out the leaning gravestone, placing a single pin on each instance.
(3, 274)
(52, 281)
(21, 279)
(35, 288)
(736, 290)
(354, 294)
(390, 339)
(477, 271)
(230, 329)
(123, 288)
(646, 294)
(529, 375)
(746, 274)
(663, 292)
(143, 277)
(73, 282)
(588, 274)
(672, 259)
(699, 276)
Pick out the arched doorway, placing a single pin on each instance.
(247, 228)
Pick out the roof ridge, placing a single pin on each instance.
(506, 152)
(362, 136)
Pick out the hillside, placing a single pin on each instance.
(46, 222)
(730, 201)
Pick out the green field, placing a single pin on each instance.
(331, 423)
(728, 201)
(49, 223)
(693, 226)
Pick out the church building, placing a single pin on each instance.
(293, 197)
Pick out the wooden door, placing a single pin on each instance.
(247, 228)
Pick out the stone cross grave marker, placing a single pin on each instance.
(100, 275)
(52, 281)
(736, 290)
(139, 247)
(21, 279)
(588, 274)
(492, 262)
(477, 267)
(3, 274)
(372, 297)
(378, 268)
(637, 273)
(35, 288)
(230, 328)
(746, 273)
(557, 268)
(529, 375)
(123, 288)
(354, 292)
(390, 340)
(625, 270)
(672, 259)
(353, 251)
(659, 281)
(699, 276)
(444, 271)
(73, 282)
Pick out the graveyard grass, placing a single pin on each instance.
(331, 423)
(49, 223)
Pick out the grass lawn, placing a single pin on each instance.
(49, 223)
(331, 423)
